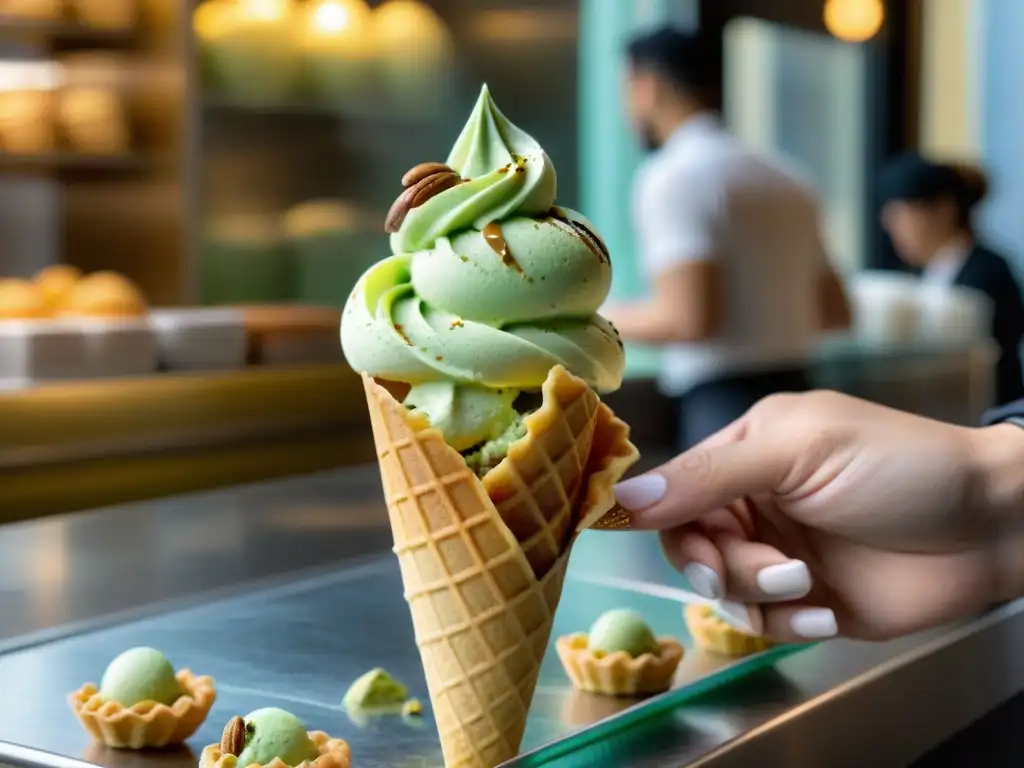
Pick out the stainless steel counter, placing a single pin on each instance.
(837, 704)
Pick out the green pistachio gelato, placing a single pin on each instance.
(140, 674)
(622, 631)
(489, 455)
(374, 690)
(273, 733)
(490, 287)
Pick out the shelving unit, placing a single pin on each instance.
(66, 35)
(64, 164)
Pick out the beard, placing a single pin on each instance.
(648, 140)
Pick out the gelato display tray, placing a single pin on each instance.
(299, 645)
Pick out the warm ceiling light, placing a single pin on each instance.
(265, 10)
(332, 18)
(854, 20)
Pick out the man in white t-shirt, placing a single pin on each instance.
(729, 240)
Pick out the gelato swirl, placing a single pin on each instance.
(491, 286)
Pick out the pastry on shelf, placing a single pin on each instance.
(21, 300)
(56, 282)
(27, 122)
(713, 633)
(620, 656)
(93, 121)
(275, 738)
(331, 243)
(142, 703)
(248, 47)
(105, 14)
(414, 56)
(336, 44)
(104, 295)
(32, 10)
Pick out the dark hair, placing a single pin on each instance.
(692, 63)
(913, 178)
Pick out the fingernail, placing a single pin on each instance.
(641, 492)
(787, 581)
(703, 580)
(736, 614)
(814, 623)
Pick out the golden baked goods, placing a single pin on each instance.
(713, 633)
(55, 282)
(142, 702)
(33, 10)
(21, 300)
(104, 294)
(93, 121)
(619, 674)
(104, 14)
(274, 738)
(26, 122)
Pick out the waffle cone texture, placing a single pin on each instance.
(334, 753)
(619, 674)
(713, 633)
(148, 724)
(483, 560)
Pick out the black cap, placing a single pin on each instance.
(691, 62)
(912, 178)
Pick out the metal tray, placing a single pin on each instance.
(299, 646)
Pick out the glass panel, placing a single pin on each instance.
(804, 96)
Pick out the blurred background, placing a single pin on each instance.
(195, 187)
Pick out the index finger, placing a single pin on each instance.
(701, 480)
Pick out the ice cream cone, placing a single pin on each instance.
(483, 561)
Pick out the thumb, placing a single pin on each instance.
(701, 480)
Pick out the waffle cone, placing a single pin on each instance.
(619, 674)
(147, 724)
(483, 561)
(713, 633)
(334, 753)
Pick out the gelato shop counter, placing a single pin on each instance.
(286, 592)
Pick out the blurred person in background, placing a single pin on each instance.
(927, 210)
(730, 241)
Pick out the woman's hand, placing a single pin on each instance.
(826, 514)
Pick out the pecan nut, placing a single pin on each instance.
(423, 170)
(427, 180)
(232, 742)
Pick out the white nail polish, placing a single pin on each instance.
(641, 492)
(814, 623)
(703, 580)
(786, 581)
(736, 614)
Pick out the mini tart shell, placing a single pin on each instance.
(334, 753)
(147, 724)
(619, 674)
(712, 633)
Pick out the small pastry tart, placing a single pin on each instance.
(147, 724)
(619, 674)
(334, 753)
(713, 633)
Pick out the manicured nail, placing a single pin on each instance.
(814, 623)
(641, 492)
(704, 581)
(736, 614)
(786, 581)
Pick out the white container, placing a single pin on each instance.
(39, 350)
(199, 339)
(953, 315)
(118, 347)
(886, 308)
